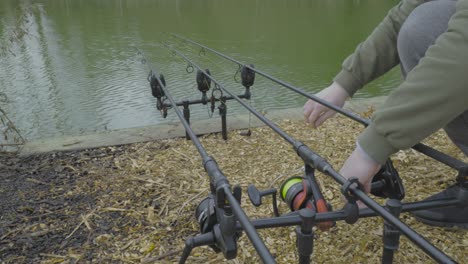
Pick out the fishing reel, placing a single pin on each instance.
(204, 84)
(297, 193)
(303, 192)
(221, 222)
(206, 214)
(206, 217)
(156, 89)
(387, 183)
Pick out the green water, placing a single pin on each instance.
(75, 71)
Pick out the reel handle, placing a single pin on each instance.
(256, 196)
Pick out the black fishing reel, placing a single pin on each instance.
(206, 214)
(156, 89)
(221, 222)
(204, 84)
(206, 217)
(387, 183)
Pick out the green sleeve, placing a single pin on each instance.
(434, 93)
(378, 53)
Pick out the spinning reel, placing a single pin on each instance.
(304, 192)
(206, 214)
(297, 192)
(220, 223)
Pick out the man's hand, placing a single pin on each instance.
(315, 114)
(359, 165)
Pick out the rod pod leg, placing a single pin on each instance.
(193, 242)
(223, 112)
(305, 235)
(391, 235)
(187, 116)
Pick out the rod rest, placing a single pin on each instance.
(351, 208)
(311, 158)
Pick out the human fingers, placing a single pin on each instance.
(324, 117)
(318, 111)
(308, 108)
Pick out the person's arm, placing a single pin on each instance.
(378, 53)
(434, 93)
(372, 58)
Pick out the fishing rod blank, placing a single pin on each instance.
(428, 151)
(322, 165)
(220, 182)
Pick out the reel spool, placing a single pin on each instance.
(293, 194)
(298, 192)
(387, 183)
(206, 217)
(206, 214)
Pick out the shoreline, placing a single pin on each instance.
(170, 130)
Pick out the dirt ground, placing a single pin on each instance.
(135, 203)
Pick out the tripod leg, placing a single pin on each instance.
(187, 250)
(186, 116)
(391, 236)
(193, 242)
(305, 235)
(223, 113)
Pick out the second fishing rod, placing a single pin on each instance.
(314, 160)
(428, 151)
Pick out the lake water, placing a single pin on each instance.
(75, 71)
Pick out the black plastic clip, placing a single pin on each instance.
(351, 209)
(345, 189)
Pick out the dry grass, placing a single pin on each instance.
(137, 202)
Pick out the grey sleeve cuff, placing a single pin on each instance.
(348, 82)
(376, 145)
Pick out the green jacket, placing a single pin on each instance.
(433, 94)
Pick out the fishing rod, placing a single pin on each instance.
(461, 166)
(204, 86)
(221, 209)
(350, 189)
